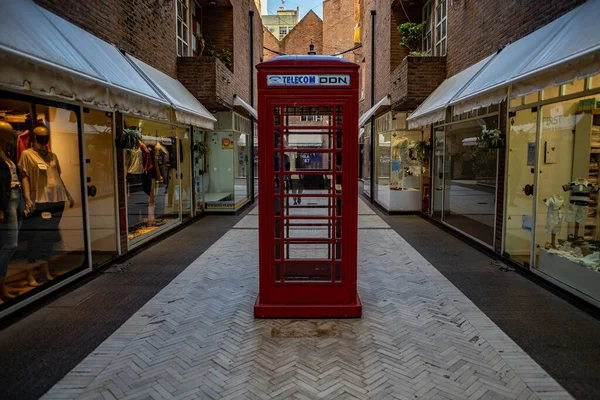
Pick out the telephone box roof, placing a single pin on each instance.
(307, 61)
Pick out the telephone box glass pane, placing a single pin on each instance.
(307, 251)
(338, 115)
(276, 116)
(307, 228)
(306, 139)
(308, 271)
(308, 116)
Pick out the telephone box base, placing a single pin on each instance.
(353, 310)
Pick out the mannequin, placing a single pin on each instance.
(578, 203)
(137, 200)
(554, 217)
(45, 197)
(11, 206)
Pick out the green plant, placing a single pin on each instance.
(491, 139)
(412, 34)
(421, 148)
(224, 55)
(128, 139)
(202, 148)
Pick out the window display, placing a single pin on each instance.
(401, 156)
(41, 220)
(552, 189)
(153, 185)
(366, 157)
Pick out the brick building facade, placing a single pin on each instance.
(334, 34)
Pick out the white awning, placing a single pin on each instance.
(44, 54)
(187, 108)
(373, 110)
(568, 48)
(237, 101)
(433, 109)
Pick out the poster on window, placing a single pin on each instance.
(227, 143)
(531, 154)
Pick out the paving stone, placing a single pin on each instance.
(419, 336)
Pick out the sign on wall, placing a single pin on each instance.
(308, 80)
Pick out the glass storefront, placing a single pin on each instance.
(552, 186)
(154, 188)
(227, 178)
(199, 155)
(465, 174)
(401, 162)
(42, 204)
(366, 160)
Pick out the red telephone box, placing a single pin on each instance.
(308, 197)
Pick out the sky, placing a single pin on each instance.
(305, 6)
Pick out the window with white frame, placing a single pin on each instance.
(441, 12)
(283, 30)
(183, 30)
(426, 46)
(311, 118)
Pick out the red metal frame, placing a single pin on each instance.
(308, 288)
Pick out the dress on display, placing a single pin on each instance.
(554, 216)
(47, 192)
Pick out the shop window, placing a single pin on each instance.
(517, 102)
(566, 225)
(521, 153)
(427, 39)
(440, 27)
(153, 182)
(594, 82)
(551, 92)
(531, 98)
(470, 174)
(183, 34)
(574, 87)
(41, 233)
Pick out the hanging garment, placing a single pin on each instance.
(554, 216)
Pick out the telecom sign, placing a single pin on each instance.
(308, 80)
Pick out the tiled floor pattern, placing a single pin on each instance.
(419, 337)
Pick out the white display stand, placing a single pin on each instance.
(570, 273)
(405, 200)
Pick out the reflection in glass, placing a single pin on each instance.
(470, 179)
(99, 150)
(153, 185)
(41, 215)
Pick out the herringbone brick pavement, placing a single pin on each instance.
(419, 338)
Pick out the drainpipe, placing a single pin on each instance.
(372, 147)
(251, 144)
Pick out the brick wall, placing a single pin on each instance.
(270, 42)
(414, 79)
(241, 47)
(477, 29)
(211, 82)
(217, 29)
(338, 27)
(298, 40)
(143, 28)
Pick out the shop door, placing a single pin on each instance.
(520, 186)
(438, 172)
(101, 188)
(308, 177)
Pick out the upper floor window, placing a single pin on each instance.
(183, 30)
(311, 118)
(427, 39)
(441, 12)
(283, 30)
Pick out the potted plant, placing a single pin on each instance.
(412, 34)
(202, 148)
(128, 139)
(421, 148)
(490, 138)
